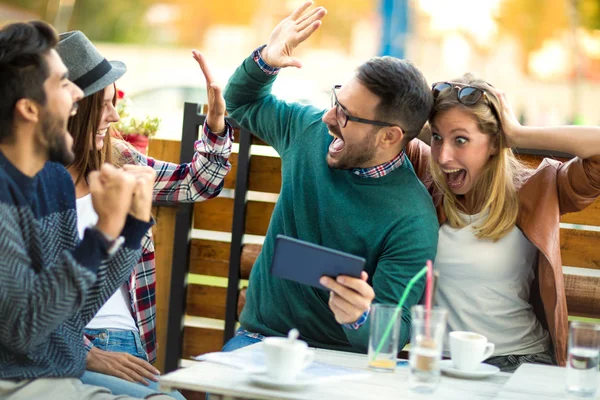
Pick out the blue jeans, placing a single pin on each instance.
(123, 342)
(242, 338)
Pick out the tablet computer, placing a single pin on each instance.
(306, 262)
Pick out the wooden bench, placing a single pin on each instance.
(217, 242)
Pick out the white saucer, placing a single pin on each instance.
(483, 370)
(264, 380)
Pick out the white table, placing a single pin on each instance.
(232, 383)
(536, 382)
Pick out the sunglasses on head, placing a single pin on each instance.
(467, 94)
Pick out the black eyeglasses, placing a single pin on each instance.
(467, 94)
(343, 116)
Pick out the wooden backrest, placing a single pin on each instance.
(217, 242)
(580, 251)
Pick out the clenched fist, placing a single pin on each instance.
(112, 193)
(141, 204)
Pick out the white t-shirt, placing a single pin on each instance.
(485, 287)
(116, 312)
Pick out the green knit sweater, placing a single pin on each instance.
(390, 221)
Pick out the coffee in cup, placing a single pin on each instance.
(469, 349)
(285, 358)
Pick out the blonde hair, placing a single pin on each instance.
(495, 192)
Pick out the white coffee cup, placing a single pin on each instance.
(469, 349)
(286, 358)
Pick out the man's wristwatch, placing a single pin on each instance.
(111, 245)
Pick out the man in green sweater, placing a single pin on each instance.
(346, 184)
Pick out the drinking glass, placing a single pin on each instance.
(582, 363)
(426, 344)
(383, 337)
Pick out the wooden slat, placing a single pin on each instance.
(589, 216)
(258, 216)
(212, 258)
(580, 248)
(206, 301)
(164, 150)
(209, 257)
(217, 215)
(583, 295)
(198, 341)
(265, 174)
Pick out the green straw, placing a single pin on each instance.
(388, 329)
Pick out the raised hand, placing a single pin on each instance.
(141, 204)
(112, 193)
(289, 33)
(215, 117)
(121, 365)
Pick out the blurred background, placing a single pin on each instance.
(545, 54)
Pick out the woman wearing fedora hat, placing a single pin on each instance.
(121, 338)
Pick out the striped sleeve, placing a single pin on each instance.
(35, 299)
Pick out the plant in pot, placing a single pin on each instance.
(136, 131)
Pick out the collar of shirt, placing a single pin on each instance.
(380, 170)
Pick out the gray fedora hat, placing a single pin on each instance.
(88, 69)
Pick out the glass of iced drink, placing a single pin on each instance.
(582, 363)
(384, 334)
(428, 328)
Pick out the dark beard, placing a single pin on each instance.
(355, 160)
(57, 148)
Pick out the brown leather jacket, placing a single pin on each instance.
(553, 189)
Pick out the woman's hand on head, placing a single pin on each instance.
(215, 117)
(508, 120)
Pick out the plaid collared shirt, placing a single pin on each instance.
(198, 180)
(382, 169)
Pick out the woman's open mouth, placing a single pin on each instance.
(455, 177)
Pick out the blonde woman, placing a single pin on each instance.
(498, 251)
